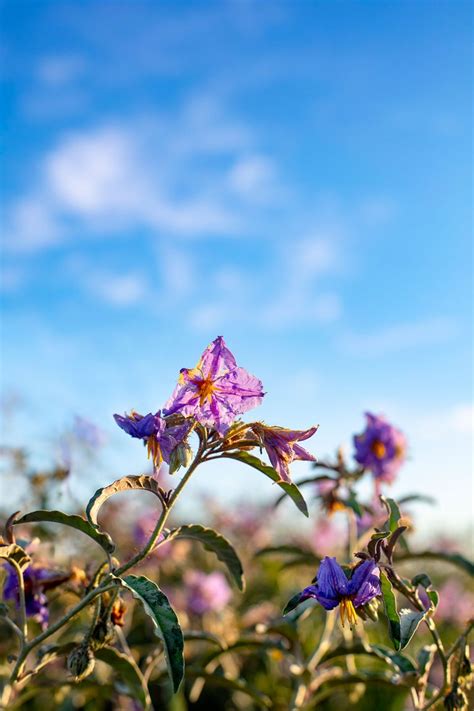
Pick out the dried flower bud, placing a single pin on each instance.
(81, 661)
(102, 634)
(117, 615)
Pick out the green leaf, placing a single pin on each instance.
(215, 543)
(128, 672)
(425, 581)
(157, 606)
(393, 511)
(353, 504)
(425, 659)
(126, 483)
(201, 636)
(390, 606)
(16, 553)
(416, 497)
(403, 663)
(289, 488)
(292, 603)
(454, 558)
(409, 621)
(73, 521)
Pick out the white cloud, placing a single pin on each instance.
(399, 337)
(163, 173)
(443, 422)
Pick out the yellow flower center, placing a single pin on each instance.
(379, 449)
(205, 389)
(347, 611)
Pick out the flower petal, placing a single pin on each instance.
(365, 583)
(331, 581)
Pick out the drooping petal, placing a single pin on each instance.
(331, 580)
(302, 454)
(140, 426)
(365, 583)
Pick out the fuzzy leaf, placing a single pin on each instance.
(425, 581)
(167, 627)
(289, 488)
(73, 521)
(215, 543)
(126, 483)
(128, 672)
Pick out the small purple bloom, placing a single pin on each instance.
(380, 448)
(281, 445)
(216, 390)
(160, 438)
(333, 588)
(36, 578)
(205, 592)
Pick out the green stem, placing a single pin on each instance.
(21, 594)
(163, 518)
(27, 648)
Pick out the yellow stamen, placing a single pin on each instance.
(379, 449)
(154, 451)
(347, 611)
(205, 389)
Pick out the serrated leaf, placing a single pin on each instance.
(390, 607)
(128, 671)
(215, 543)
(167, 627)
(16, 553)
(289, 488)
(73, 521)
(126, 483)
(409, 621)
(393, 511)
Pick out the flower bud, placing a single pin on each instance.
(456, 700)
(102, 634)
(81, 661)
(181, 456)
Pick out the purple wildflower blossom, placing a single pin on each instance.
(36, 578)
(205, 592)
(216, 390)
(281, 445)
(380, 448)
(333, 588)
(160, 438)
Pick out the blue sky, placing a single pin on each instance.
(293, 175)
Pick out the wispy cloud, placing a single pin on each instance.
(190, 173)
(399, 337)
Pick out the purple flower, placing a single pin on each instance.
(216, 390)
(282, 446)
(380, 448)
(333, 588)
(206, 592)
(160, 438)
(36, 579)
